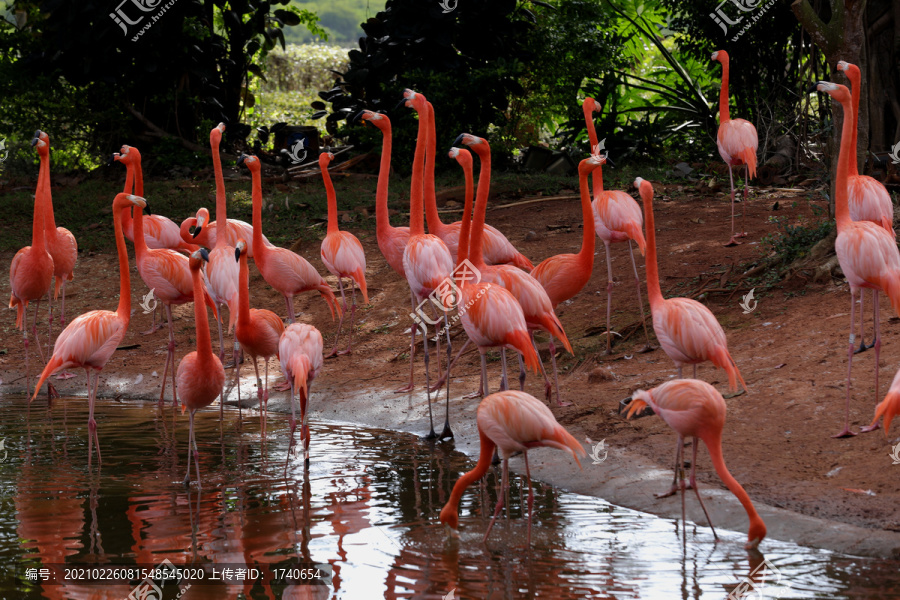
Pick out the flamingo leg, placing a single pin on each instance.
(447, 433)
(877, 345)
(845, 432)
(34, 333)
(352, 316)
(412, 349)
(502, 495)
(304, 425)
(695, 444)
(522, 369)
(337, 336)
(289, 301)
(679, 445)
(187, 476)
(484, 385)
(732, 241)
(637, 285)
(50, 327)
(862, 340)
(92, 424)
(440, 382)
(609, 289)
(504, 384)
(680, 376)
(530, 495)
(221, 336)
(743, 232)
(27, 371)
(293, 423)
(170, 359)
(695, 370)
(265, 396)
(556, 375)
(62, 306)
(431, 434)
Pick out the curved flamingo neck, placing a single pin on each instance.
(204, 341)
(841, 201)
(653, 290)
(244, 292)
(435, 225)
(467, 479)
(259, 247)
(124, 308)
(476, 248)
(140, 244)
(416, 216)
(332, 200)
(588, 108)
(854, 76)
(723, 95)
(221, 218)
(382, 218)
(586, 254)
(713, 443)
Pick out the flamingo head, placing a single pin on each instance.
(198, 257)
(479, 145)
(130, 154)
(450, 518)
(250, 161)
(644, 187)
(640, 399)
(462, 156)
(215, 135)
(325, 159)
(124, 200)
(40, 135)
(413, 100)
(368, 115)
(592, 162)
(842, 65)
(721, 56)
(42, 147)
(756, 533)
(592, 105)
(835, 90)
(240, 249)
(202, 219)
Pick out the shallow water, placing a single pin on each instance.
(365, 511)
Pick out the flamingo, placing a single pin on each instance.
(168, 274)
(869, 199)
(31, 270)
(617, 218)
(889, 407)
(258, 331)
(300, 353)
(491, 316)
(286, 271)
(536, 304)
(343, 256)
(509, 422)
(61, 244)
(426, 260)
(204, 232)
(200, 376)
(867, 252)
(737, 141)
(90, 339)
(695, 409)
(687, 331)
(222, 269)
(497, 249)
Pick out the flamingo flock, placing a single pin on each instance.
(501, 298)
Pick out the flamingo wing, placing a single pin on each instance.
(737, 141)
(90, 339)
(427, 263)
(167, 273)
(687, 330)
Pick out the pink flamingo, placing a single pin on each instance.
(205, 231)
(90, 339)
(61, 243)
(889, 407)
(497, 249)
(737, 141)
(617, 218)
(31, 271)
(258, 331)
(343, 256)
(168, 275)
(509, 422)
(286, 271)
(300, 352)
(867, 252)
(426, 259)
(491, 316)
(536, 304)
(869, 199)
(687, 331)
(222, 269)
(200, 376)
(695, 409)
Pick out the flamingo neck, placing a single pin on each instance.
(138, 179)
(435, 225)
(451, 509)
(204, 341)
(713, 443)
(44, 174)
(586, 254)
(244, 292)
(592, 135)
(221, 217)
(259, 247)
(332, 202)
(653, 290)
(38, 237)
(140, 244)
(127, 221)
(853, 75)
(723, 95)
(465, 229)
(184, 231)
(382, 218)
(848, 149)
(598, 182)
(124, 308)
(416, 216)
(476, 248)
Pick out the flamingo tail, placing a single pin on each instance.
(360, 277)
(748, 155)
(58, 284)
(888, 408)
(891, 287)
(521, 341)
(328, 295)
(521, 261)
(634, 232)
(20, 311)
(554, 327)
(50, 368)
(722, 359)
(564, 440)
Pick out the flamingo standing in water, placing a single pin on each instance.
(31, 271)
(536, 304)
(222, 269)
(617, 218)
(168, 274)
(90, 339)
(867, 252)
(258, 331)
(286, 271)
(200, 374)
(343, 255)
(497, 249)
(426, 259)
(300, 353)
(737, 141)
(60, 242)
(490, 315)
(687, 331)
(869, 199)
(509, 422)
(695, 409)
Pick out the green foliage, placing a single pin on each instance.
(793, 241)
(339, 18)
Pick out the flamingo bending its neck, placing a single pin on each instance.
(300, 353)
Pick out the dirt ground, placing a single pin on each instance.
(791, 349)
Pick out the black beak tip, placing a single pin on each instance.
(196, 232)
(237, 254)
(813, 88)
(402, 103)
(204, 254)
(458, 141)
(241, 159)
(357, 117)
(147, 209)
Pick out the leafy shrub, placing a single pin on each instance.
(793, 241)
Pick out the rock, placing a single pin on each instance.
(533, 236)
(601, 374)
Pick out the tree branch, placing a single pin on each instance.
(159, 132)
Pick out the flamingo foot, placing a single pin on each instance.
(733, 242)
(431, 436)
(343, 352)
(334, 354)
(741, 234)
(561, 403)
(869, 428)
(65, 375)
(673, 490)
(446, 434)
(283, 386)
(863, 347)
(647, 348)
(51, 392)
(845, 433)
(153, 329)
(405, 389)
(475, 394)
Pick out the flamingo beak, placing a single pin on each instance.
(204, 254)
(237, 254)
(241, 159)
(609, 161)
(358, 117)
(458, 141)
